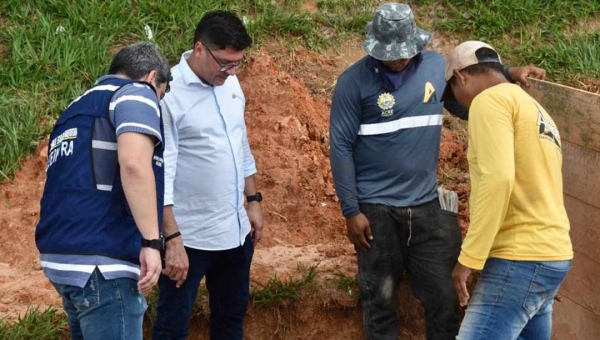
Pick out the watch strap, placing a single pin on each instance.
(254, 198)
(157, 244)
(172, 236)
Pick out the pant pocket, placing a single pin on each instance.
(451, 227)
(86, 298)
(545, 282)
(134, 301)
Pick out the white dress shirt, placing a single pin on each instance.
(207, 159)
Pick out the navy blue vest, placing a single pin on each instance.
(83, 208)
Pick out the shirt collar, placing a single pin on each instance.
(108, 76)
(189, 77)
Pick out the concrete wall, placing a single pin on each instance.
(577, 114)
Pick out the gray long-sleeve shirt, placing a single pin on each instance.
(385, 145)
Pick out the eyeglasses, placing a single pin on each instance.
(224, 67)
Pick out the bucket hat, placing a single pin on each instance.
(393, 34)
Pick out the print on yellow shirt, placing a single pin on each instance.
(547, 128)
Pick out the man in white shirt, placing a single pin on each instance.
(209, 169)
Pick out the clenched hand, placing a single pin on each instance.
(254, 212)
(359, 230)
(176, 261)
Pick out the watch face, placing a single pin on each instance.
(259, 196)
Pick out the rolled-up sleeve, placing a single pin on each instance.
(343, 130)
(171, 150)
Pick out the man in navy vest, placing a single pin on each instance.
(386, 122)
(99, 232)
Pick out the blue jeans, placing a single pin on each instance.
(104, 309)
(228, 283)
(425, 242)
(513, 300)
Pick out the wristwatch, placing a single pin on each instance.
(158, 244)
(256, 197)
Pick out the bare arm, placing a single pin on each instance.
(135, 158)
(135, 151)
(254, 210)
(169, 224)
(250, 186)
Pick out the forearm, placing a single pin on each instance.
(250, 186)
(140, 191)
(169, 224)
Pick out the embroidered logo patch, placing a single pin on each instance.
(386, 102)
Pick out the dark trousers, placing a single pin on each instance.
(228, 283)
(423, 240)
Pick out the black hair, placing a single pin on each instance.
(222, 29)
(137, 60)
(489, 61)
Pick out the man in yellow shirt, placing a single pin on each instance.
(519, 231)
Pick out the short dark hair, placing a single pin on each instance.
(483, 53)
(221, 29)
(139, 59)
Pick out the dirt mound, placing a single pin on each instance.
(22, 281)
(288, 132)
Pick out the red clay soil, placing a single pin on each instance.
(287, 128)
(22, 282)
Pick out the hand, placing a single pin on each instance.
(359, 230)
(150, 266)
(520, 74)
(176, 261)
(254, 212)
(460, 276)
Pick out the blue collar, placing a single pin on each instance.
(394, 80)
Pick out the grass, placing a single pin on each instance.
(488, 19)
(569, 56)
(347, 284)
(282, 293)
(530, 31)
(19, 129)
(54, 49)
(48, 324)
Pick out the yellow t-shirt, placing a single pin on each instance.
(515, 161)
